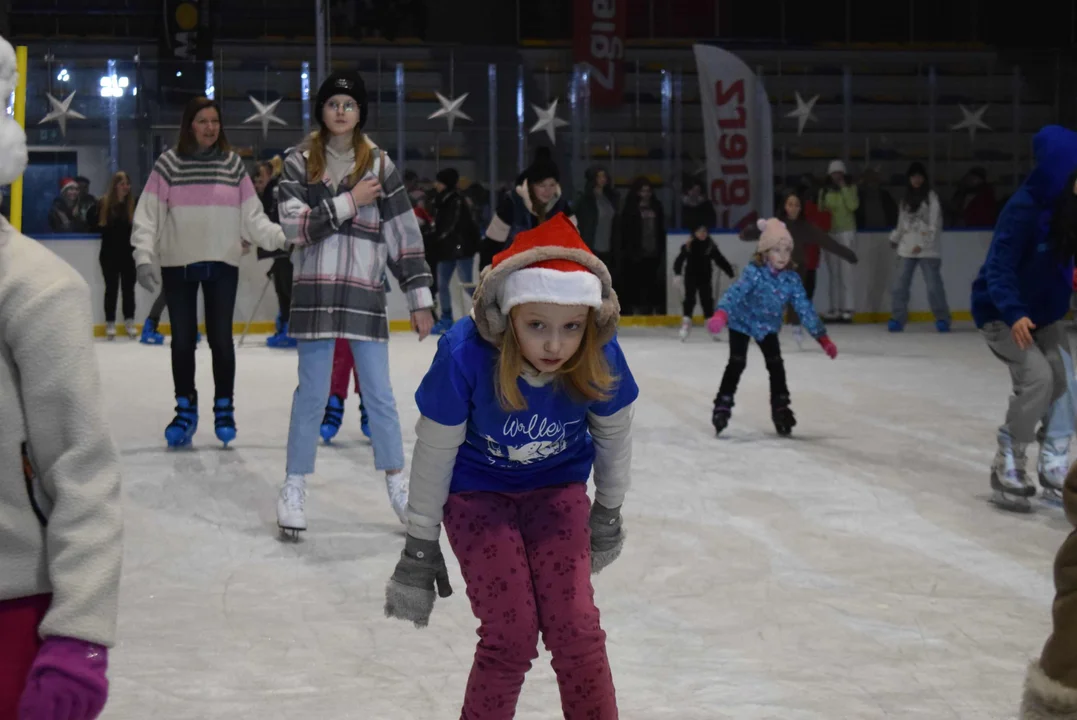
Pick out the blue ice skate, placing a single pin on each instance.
(334, 416)
(281, 339)
(894, 326)
(182, 428)
(364, 419)
(942, 326)
(224, 420)
(443, 325)
(150, 336)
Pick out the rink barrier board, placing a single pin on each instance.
(962, 255)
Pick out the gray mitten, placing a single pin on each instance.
(410, 592)
(147, 277)
(607, 536)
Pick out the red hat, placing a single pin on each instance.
(553, 278)
(68, 182)
(549, 264)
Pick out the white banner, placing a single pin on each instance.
(737, 128)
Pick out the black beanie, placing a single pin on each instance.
(917, 168)
(449, 177)
(543, 168)
(342, 82)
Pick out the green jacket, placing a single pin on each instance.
(842, 205)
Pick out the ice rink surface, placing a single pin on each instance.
(855, 570)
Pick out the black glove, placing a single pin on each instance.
(607, 536)
(410, 592)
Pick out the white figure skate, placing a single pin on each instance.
(686, 328)
(1052, 467)
(397, 486)
(1009, 483)
(291, 515)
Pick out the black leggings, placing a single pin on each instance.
(738, 360)
(706, 297)
(219, 282)
(281, 272)
(119, 271)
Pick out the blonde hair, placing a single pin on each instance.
(110, 200)
(274, 165)
(586, 377)
(316, 142)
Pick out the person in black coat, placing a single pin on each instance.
(692, 268)
(643, 247)
(112, 218)
(456, 238)
(266, 183)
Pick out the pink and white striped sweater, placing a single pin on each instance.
(197, 209)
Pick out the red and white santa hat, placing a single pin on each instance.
(549, 264)
(68, 183)
(555, 279)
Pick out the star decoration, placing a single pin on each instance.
(266, 113)
(61, 112)
(548, 121)
(971, 121)
(450, 109)
(803, 112)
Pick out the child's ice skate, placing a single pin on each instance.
(782, 415)
(686, 328)
(1009, 483)
(1052, 466)
(291, 514)
(798, 336)
(723, 410)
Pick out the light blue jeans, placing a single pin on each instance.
(308, 403)
(1060, 420)
(936, 293)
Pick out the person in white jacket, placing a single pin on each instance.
(916, 238)
(61, 530)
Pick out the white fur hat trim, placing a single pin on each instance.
(545, 285)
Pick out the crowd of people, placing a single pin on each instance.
(525, 397)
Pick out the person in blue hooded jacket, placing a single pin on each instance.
(1018, 300)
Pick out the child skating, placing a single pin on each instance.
(522, 400)
(692, 272)
(753, 309)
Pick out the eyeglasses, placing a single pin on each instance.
(346, 108)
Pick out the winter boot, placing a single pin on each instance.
(334, 416)
(150, 336)
(291, 513)
(182, 428)
(723, 410)
(224, 420)
(110, 331)
(686, 328)
(782, 415)
(1009, 482)
(364, 419)
(1052, 467)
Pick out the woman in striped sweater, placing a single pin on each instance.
(344, 198)
(197, 205)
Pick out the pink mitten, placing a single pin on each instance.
(828, 347)
(66, 682)
(718, 322)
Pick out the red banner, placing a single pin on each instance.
(599, 42)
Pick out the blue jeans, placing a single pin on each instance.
(308, 403)
(936, 293)
(465, 268)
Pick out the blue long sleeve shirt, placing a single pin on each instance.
(1022, 275)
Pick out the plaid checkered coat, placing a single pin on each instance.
(343, 250)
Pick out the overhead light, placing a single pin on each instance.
(113, 86)
(63, 75)
(179, 73)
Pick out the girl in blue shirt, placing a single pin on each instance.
(522, 401)
(753, 308)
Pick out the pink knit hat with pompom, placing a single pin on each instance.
(773, 231)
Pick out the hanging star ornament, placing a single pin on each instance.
(803, 112)
(61, 112)
(450, 109)
(266, 113)
(971, 121)
(548, 121)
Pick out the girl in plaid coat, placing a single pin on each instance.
(343, 200)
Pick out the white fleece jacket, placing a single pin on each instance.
(60, 511)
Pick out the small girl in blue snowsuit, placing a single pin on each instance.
(752, 308)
